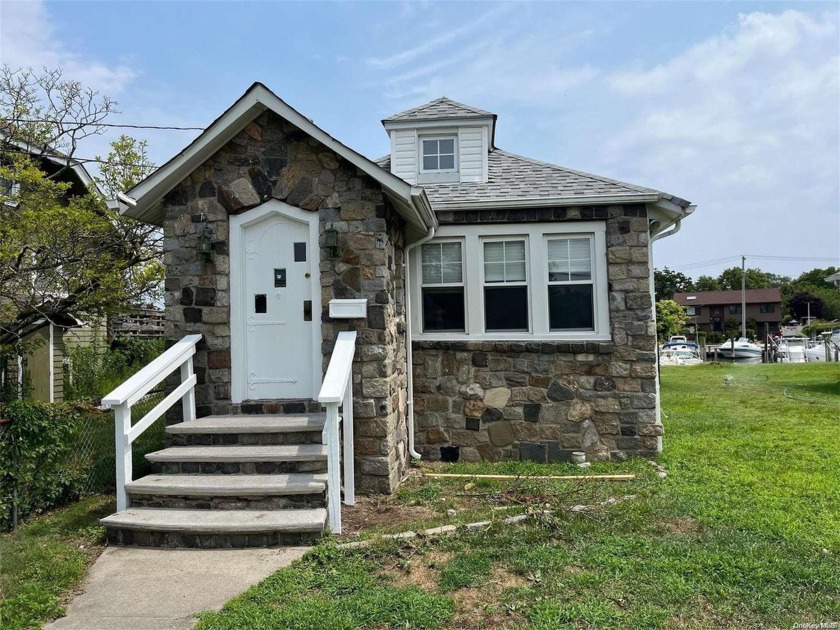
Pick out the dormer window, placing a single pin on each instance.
(438, 155)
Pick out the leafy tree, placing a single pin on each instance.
(816, 277)
(670, 319)
(730, 279)
(803, 303)
(707, 283)
(667, 283)
(63, 253)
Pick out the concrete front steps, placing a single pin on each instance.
(230, 481)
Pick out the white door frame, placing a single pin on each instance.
(238, 223)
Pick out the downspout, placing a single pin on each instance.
(409, 359)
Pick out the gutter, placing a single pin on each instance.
(547, 202)
(409, 355)
(676, 227)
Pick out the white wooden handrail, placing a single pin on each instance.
(123, 397)
(337, 390)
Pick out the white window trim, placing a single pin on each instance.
(444, 136)
(536, 235)
(441, 285)
(498, 285)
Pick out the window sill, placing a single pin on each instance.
(512, 337)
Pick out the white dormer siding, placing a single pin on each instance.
(473, 154)
(404, 162)
(472, 146)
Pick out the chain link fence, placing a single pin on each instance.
(86, 466)
(93, 456)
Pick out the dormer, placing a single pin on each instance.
(441, 142)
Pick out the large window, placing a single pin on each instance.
(438, 154)
(734, 309)
(443, 286)
(505, 285)
(570, 290)
(767, 308)
(524, 281)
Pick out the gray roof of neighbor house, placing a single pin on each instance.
(514, 178)
(440, 108)
(711, 298)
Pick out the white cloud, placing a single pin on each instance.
(746, 125)
(28, 38)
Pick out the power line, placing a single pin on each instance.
(114, 125)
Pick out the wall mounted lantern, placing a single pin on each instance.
(331, 242)
(205, 242)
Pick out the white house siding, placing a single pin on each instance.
(472, 154)
(404, 154)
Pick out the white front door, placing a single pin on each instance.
(275, 310)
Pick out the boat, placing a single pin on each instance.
(679, 342)
(680, 357)
(744, 349)
(816, 353)
(790, 349)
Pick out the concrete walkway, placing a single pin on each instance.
(163, 589)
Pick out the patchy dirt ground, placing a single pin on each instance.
(378, 511)
(477, 607)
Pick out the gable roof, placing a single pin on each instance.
(514, 180)
(715, 298)
(54, 157)
(439, 109)
(410, 201)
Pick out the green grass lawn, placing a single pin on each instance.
(46, 558)
(744, 532)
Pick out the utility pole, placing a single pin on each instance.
(743, 296)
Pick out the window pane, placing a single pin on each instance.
(570, 307)
(450, 252)
(432, 274)
(446, 146)
(447, 162)
(514, 251)
(431, 253)
(443, 309)
(515, 272)
(441, 262)
(451, 272)
(430, 163)
(494, 272)
(430, 147)
(569, 259)
(506, 308)
(494, 252)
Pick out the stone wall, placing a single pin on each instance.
(542, 401)
(269, 159)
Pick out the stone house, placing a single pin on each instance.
(502, 305)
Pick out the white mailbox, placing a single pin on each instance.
(348, 309)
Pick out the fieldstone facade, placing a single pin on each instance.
(540, 400)
(272, 159)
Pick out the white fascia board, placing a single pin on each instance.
(256, 100)
(667, 213)
(439, 123)
(542, 202)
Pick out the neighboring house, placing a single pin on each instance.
(526, 287)
(711, 309)
(834, 279)
(39, 374)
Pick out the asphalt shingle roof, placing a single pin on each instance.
(514, 178)
(710, 298)
(440, 108)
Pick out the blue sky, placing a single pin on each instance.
(735, 105)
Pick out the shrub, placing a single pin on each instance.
(36, 445)
(817, 328)
(93, 371)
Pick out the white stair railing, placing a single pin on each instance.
(123, 397)
(336, 391)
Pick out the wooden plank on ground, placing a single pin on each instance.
(565, 477)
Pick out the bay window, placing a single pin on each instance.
(518, 282)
